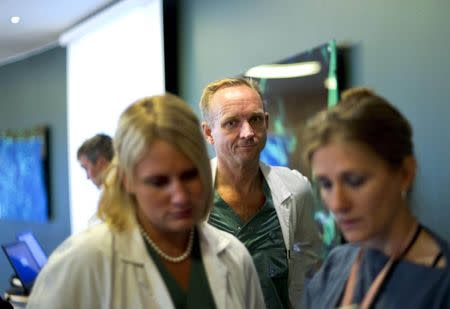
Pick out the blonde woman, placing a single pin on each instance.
(154, 249)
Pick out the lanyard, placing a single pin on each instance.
(376, 284)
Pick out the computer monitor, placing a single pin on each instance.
(34, 246)
(23, 263)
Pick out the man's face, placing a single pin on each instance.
(238, 129)
(94, 171)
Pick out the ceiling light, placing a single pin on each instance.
(15, 19)
(291, 70)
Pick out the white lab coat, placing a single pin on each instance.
(103, 269)
(294, 205)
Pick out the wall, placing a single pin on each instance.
(33, 92)
(399, 48)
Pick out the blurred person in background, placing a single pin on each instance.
(95, 155)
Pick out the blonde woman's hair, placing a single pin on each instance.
(165, 117)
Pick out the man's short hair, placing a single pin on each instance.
(215, 86)
(100, 145)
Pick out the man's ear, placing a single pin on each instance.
(102, 162)
(206, 129)
(266, 118)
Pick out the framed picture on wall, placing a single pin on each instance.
(294, 89)
(24, 175)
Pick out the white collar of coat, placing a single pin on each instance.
(277, 187)
(131, 247)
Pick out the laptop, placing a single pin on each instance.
(23, 263)
(34, 246)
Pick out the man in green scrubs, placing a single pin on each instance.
(270, 209)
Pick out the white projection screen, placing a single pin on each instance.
(113, 58)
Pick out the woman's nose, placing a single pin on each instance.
(337, 200)
(179, 192)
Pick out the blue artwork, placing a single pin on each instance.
(23, 194)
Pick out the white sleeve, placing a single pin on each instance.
(69, 280)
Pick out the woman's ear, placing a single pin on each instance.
(409, 167)
(127, 184)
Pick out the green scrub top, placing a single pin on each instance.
(264, 240)
(199, 293)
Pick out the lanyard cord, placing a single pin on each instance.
(376, 284)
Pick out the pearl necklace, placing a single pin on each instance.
(176, 259)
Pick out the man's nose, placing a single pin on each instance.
(246, 130)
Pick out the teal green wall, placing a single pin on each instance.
(33, 92)
(400, 48)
